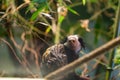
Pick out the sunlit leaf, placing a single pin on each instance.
(117, 60)
(47, 30)
(83, 1)
(117, 56)
(61, 18)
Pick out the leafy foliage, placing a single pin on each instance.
(117, 56)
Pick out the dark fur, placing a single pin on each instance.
(59, 56)
(82, 42)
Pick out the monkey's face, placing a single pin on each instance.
(74, 43)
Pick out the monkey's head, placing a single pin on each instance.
(74, 42)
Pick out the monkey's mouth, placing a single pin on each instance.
(72, 46)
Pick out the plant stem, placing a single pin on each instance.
(116, 34)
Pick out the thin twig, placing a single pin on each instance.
(11, 49)
(26, 47)
(20, 47)
(70, 67)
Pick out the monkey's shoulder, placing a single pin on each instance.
(56, 50)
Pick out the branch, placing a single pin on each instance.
(70, 67)
(11, 49)
(21, 78)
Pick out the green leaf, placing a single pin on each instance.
(117, 56)
(93, 1)
(73, 11)
(83, 1)
(39, 1)
(48, 30)
(35, 14)
(31, 6)
(117, 60)
(61, 18)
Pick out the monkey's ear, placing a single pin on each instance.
(81, 42)
(64, 40)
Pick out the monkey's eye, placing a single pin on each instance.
(72, 41)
